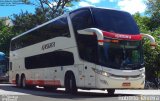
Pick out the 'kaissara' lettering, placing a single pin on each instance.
(49, 45)
(123, 36)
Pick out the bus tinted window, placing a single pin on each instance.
(52, 59)
(87, 45)
(114, 21)
(57, 28)
(81, 19)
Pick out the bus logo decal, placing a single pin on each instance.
(47, 46)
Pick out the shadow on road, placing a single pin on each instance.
(58, 93)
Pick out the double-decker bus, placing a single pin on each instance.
(88, 48)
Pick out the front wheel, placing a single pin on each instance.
(110, 91)
(70, 84)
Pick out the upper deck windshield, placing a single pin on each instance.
(122, 55)
(114, 21)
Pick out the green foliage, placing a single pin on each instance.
(151, 57)
(142, 22)
(25, 21)
(154, 11)
(6, 33)
(45, 10)
(152, 61)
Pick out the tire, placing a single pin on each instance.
(110, 91)
(70, 84)
(23, 82)
(18, 82)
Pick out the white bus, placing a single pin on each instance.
(88, 48)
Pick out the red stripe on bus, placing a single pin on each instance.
(14, 81)
(29, 81)
(122, 36)
(44, 82)
(41, 82)
(100, 40)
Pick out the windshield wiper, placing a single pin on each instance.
(133, 66)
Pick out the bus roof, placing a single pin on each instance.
(89, 7)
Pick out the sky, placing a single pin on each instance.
(131, 6)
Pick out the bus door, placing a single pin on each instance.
(81, 74)
(53, 76)
(89, 75)
(49, 76)
(58, 75)
(38, 76)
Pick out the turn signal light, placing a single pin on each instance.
(115, 41)
(107, 40)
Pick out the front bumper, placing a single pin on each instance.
(104, 82)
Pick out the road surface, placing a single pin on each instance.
(9, 92)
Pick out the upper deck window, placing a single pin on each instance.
(81, 19)
(57, 28)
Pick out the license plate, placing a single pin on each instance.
(126, 84)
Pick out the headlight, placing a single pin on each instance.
(101, 72)
(142, 75)
(142, 70)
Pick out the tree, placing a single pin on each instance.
(153, 9)
(45, 10)
(151, 57)
(25, 20)
(6, 34)
(142, 22)
(56, 7)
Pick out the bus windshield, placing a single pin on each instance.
(114, 21)
(125, 55)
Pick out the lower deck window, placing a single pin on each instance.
(52, 59)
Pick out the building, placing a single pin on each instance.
(7, 21)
